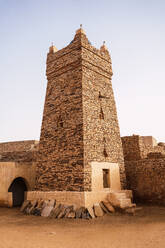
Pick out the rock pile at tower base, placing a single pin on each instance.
(115, 202)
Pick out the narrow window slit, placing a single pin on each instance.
(60, 122)
(106, 178)
(101, 114)
(105, 153)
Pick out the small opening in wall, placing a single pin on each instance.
(60, 122)
(101, 114)
(106, 178)
(105, 153)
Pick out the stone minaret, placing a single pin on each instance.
(80, 129)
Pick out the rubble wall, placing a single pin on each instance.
(146, 149)
(102, 142)
(19, 151)
(18, 156)
(137, 147)
(79, 121)
(131, 149)
(146, 178)
(17, 146)
(60, 158)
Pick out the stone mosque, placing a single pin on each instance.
(80, 156)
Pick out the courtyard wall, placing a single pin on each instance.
(13, 146)
(10, 171)
(146, 177)
(145, 168)
(17, 159)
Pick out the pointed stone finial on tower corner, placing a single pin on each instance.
(80, 30)
(103, 48)
(52, 48)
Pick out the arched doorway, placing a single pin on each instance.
(18, 187)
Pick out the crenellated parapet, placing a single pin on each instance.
(79, 53)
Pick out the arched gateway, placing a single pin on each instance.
(18, 187)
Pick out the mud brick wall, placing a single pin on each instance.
(146, 178)
(17, 146)
(79, 122)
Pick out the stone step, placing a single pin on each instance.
(127, 192)
(119, 200)
(125, 203)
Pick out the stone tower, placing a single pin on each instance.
(80, 141)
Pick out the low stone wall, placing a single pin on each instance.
(146, 178)
(18, 156)
(137, 147)
(155, 150)
(19, 151)
(131, 149)
(24, 145)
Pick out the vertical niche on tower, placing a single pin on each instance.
(102, 118)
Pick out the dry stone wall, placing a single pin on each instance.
(146, 178)
(18, 156)
(17, 146)
(79, 122)
(19, 151)
(102, 141)
(131, 149)
(60, 160)
(137, 147)
(145, 168)
(148, 150)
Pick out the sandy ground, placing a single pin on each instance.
(146, 229)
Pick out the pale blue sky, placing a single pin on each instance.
(134, 32)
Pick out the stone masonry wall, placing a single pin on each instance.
(135, 148)
(131, 149)
(145, 168)
(146, 149)
(60, 160)
(146, 178)
(148, 140)
(79, 122)
(17, 146)
(102, 142)
(19, 151)
(18, 156)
